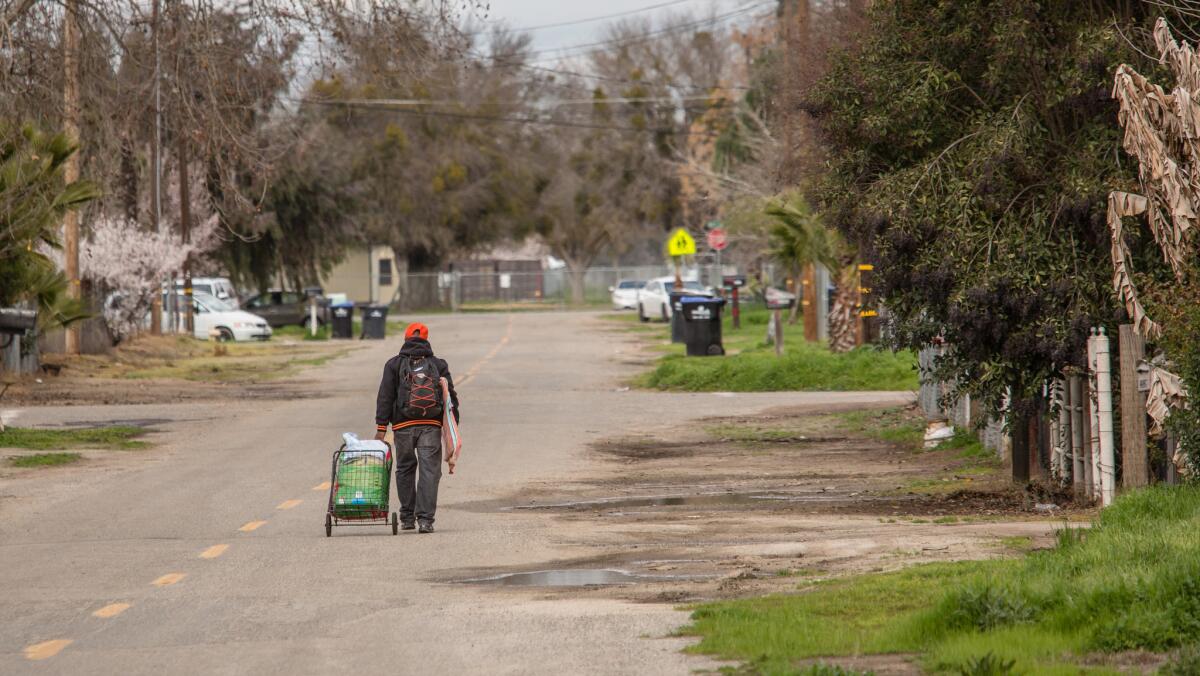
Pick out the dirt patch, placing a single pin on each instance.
(73, 391)
(644, 448)
(170, 369)
(729, 507)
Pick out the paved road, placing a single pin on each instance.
(208, 555)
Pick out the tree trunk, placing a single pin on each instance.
(841, 314)
(575, 276)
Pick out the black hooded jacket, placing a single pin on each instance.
(387, 408)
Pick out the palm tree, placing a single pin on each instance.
(33, 200)
(798, 239)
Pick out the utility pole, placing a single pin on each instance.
(185, 226)
(185, 197)
(71, 166)
(795, 25)
(156, 306)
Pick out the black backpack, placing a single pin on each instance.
(419, 389)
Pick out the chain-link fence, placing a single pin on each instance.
(500, 285)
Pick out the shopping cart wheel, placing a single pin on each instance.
(395, 523)
(328, 525)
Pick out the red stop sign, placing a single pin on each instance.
(716, 239)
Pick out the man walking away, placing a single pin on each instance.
(410, 401)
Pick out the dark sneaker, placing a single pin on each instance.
(426, 527)
(408, 525)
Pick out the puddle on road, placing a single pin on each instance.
(582, 577)
(703, 500)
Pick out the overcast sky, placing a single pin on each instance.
(524, 13)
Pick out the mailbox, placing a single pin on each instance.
(779, 300)
(1143, 377)
(734, 281)
(16, 321)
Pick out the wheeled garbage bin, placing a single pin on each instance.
(374, 322)
(702, 325)
(342, 320)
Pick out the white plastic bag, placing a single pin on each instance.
(356, 446)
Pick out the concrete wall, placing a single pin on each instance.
(358, 275)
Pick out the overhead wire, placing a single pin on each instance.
(581, 48)
(561, 102)
(609, 78)
(604, 17)
(577, 49)
(519, 119)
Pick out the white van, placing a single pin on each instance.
(217, 287)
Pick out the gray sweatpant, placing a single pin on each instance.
(418, 446)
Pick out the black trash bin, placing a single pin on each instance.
(342, 320)
(702, 325)
(374, 322)
(677, 314)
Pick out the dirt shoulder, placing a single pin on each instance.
(172, 369)
(728, 507)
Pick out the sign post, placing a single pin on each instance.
(680, 244)
(777, 301)
(734, 283)
(717, 242)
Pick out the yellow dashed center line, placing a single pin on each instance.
(168, 579)
(213, 551)
(288, 504)
(474, 370)
(111, 610)
(253, 525)
(46, 649)
(323, 486)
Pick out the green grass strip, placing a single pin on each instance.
(752, 366)
(44, 459)
(117, 437)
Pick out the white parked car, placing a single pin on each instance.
(654, 299)
(210, 313)
(625, 293)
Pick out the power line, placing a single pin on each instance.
(587, 46)
(562, 102)
(607, 78)
(576, 22)
(494, 118)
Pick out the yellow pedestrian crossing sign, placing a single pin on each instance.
(681, 244)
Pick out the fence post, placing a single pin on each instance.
(778, 316)
(1172, 471)
(1062, 433)
(1106, 463)
(1019, 433)
(1075, 396)
(1134, 463)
